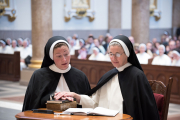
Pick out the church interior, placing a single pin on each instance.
(152, 26)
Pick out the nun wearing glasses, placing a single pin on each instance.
(124, 88)
(55, 75)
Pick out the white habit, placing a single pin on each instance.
(99, 57)
(108, 96)
(176, 63)
(162, 60)
(143, 58)
(14, 49)
(24, 52)
(6, 50)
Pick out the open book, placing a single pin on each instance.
(89, 111)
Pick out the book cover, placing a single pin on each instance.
(61, 106)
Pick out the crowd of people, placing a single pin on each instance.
(163, 52)
(9, 46)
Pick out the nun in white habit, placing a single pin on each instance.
(124, 88)
(8, 41)
(20, 43)
(176, 58)
(5, 49)
(24, 53)
(14, 46)
(143, 56)
(162, 59)
(97, 55)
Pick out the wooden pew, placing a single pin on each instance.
(95, 69)
(10, 66)
(163, 73)
(150, 61)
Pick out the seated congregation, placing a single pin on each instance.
(167, 50)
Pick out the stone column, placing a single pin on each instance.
(114, 18)
(175, 15)
(140, 20)
(41, 12)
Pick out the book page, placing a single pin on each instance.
(103, 111)
(78, 111)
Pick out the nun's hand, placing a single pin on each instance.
(67, 95)
(64, 95)
(59, 95)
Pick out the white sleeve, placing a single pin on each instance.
(90, 101)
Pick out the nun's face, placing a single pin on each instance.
(25, 44)
(61, 57)
(80, 43)
(8, 42)
(117, 61)
(13, 44)
(142, 49)
(96, 42)
(95, 52)
(3, 45)
(161, 51)
(19, 42)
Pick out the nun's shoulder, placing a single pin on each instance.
(38, 75)
(109, 73)
(134, 71)
(136, 75)
(42, 71)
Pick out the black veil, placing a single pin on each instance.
(47, 61)
(132, 58)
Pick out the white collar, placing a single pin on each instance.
(54, 68)
(123, 67)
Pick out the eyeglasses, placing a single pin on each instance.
(116, 54)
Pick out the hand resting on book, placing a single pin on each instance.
(67, 95)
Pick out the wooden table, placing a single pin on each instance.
(29, 115)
